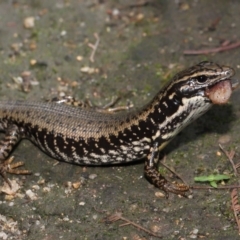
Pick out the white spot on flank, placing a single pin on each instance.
(112, 152)
(119, 159)
(171, 96)
(156, 135)
(146, 147)
(165, 104)
(124, 148)
(136, 143)
(85, 151)
(73, 149)
(146, 140)
(95, 156)
(102, 150)
(137, 149)
(152, 121)
(104, 158)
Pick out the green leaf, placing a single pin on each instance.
(213, 184)
(212, 178)
(220, 177)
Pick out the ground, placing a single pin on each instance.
(140, 47)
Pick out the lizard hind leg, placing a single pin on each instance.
(87, 104)
(71, 101)
(10, 139)
(7, 166)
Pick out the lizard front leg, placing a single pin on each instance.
(157, 179)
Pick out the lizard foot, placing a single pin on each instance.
(8, 167)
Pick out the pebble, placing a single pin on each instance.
(29, 22)
(226, 138)
(31, 194)
(88, 70)
(194, 233)
(159, 195)
(3, 235)
(76, 185)
(46, 189)
(36, 187)
(92, 176)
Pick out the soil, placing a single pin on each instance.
(140, 48)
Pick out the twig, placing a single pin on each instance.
(214, 24)
(237, 165)
(118, 216)
(235, 206)
(172, 171)
(99, 211)
(230, 156)
(212, 50)
(218, 188)
(94, 47)
(124, 224)
(139, 4)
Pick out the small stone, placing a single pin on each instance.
(195, 231)
(88, 70)
(31, 194)
(79, 58)
(192, 236)
(92, 176)
(76, 185)
(35, 187)
(29, 22)
(32, 46)
(33, 62)
(166, 210)
(74, 84)
(140, 17)
(159, 195)
(46, 189)
(3, 235)
(66, 219)
(63, 33)
(41, 181)
(226, 138)
(155, 228)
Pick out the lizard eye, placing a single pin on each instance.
(202, 79)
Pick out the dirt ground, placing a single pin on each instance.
(139, 46)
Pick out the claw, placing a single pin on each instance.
(8, 167)
(177, 188)
(160, 182)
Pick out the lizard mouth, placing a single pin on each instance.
(220, 92)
